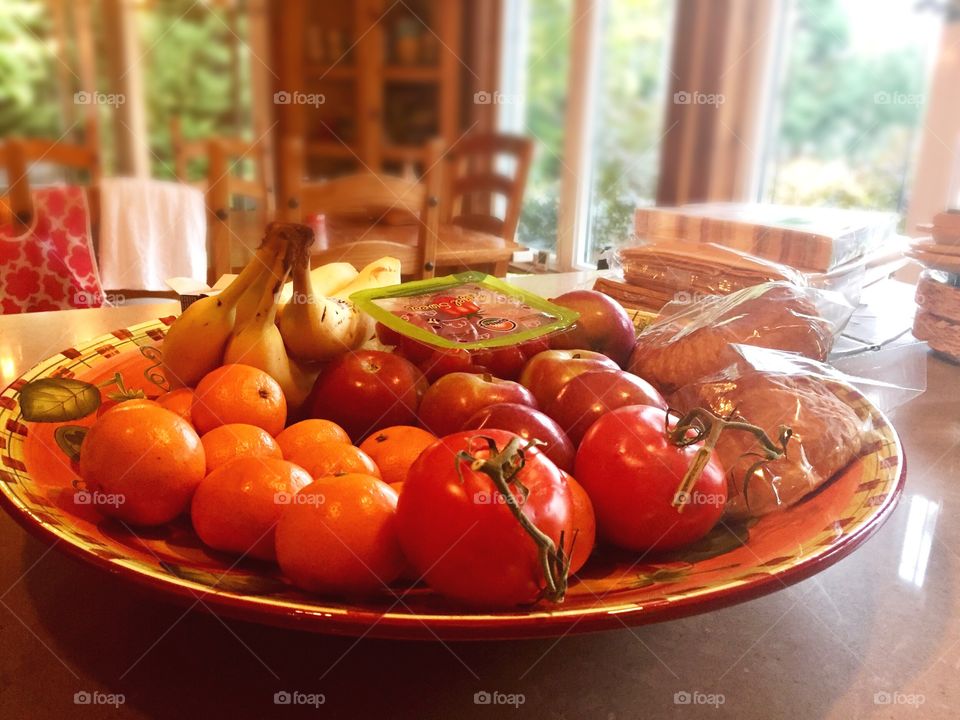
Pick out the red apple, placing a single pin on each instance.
(603, 326)
(588, 396)
(452, 399)
(529, 424)
(545, 373)
(367, 390)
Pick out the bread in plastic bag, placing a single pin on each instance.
(827, 434)
(692, 341)
(820, 404)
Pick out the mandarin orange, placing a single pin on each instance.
(394, 449)
(233, 440)
(239, 394)
(146, 458)
(296, 442)
(237, 506)
(340, 536)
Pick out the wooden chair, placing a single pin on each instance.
(456, 227)
(366, 215)
(21, 154)
(222, 186)
(467, 230)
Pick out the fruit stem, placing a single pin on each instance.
(503, 467)
(702, 425)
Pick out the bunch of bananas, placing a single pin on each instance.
(240, 325)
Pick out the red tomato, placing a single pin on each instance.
(632, 473)
(455, 307)
(457, 530)
(584, 524)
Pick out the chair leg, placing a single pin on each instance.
(500, 268)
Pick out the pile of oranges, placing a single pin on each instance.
(300, 495)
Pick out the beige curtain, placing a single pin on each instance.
(722, 69)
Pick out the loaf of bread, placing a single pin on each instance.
(688, 346)
(827, 435)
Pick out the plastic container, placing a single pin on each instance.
(466, 311)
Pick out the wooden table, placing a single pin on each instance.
(881, 624)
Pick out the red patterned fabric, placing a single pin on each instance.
(51, 266)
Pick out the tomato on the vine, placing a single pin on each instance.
(584, 524)
(632, 472)
(458, 531)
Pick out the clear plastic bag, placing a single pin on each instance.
(665, 269)
(819, 403)
(693, 340)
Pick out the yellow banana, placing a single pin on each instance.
(196, 340)
(327, 279)
(258, 341)
(316, 328)
(379, 273)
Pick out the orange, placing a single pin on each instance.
(394, 449)
(238, 394)
(340, 536)
(331, 458)
(141, 464)
(237, 506)
(234, 440)
(298, 440)
(178, 401)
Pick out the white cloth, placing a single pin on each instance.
(150, 230)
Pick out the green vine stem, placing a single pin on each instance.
(702, 425)
(503, 468)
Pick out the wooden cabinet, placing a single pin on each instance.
(366, 83)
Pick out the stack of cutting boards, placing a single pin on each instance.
(938, 292)
(719, 248)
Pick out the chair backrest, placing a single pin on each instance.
(21, 154)
(225, 155)
(184, 153)
(473, 175)
(223, 185)
(380, 198)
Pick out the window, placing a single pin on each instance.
(628, 119)
(850, 103)
(535, 68)
(626, 115)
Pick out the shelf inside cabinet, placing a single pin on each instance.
(403, 153)
(411, 73)
(331, 72)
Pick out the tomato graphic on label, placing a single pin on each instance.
(456, 306)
